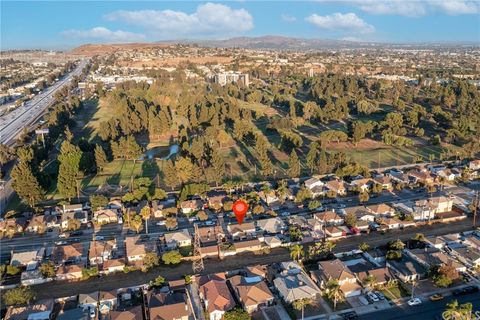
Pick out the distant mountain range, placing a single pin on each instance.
(289, 43)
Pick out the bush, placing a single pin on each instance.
(172, 257)
(16, 296)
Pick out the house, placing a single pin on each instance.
(41, 310)
(107, 300)
(313, 182)
(101, 251)
(468, 255)
(248, 246)
(88, 301)
(336, 269)
(269, 197)
(271, 241)
(216, 199)
(295, 286)
(242, 231)
(33, 277)
(426, 209)
(28, 259)
(422, 177)
(381, 275)
(177, 285)
(272, 225)
(115, 204)
(381, 210)
(360, 212)
(73, 253)
(11, 225)
(189, 206)
(69, 272)
(384, 181)
(37, 224)
(133, 313)
(430, 257)
(112, 266)
(474, 164)
(81, 216)
(162, 208)
(435, 168)
(334, 232)
(251, 292)
(105, 216)
(329, 218)
(407, 269)
(472, 241)
(215, 295)
(336, 186)
(361, 185)
(168, 306)
(446, 174)
(210, 235)
(392, 223)
(51, 221)
(181, 238)
(136, 250)
(256, 271)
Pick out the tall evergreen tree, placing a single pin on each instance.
(218, 165)
(170, 175)
(100, 157)
(294, 167)
(322, 162)
(312, 157)
(26, 184)
(68, 173)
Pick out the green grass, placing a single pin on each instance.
(395, 292)
(186, 251)
(341, 305)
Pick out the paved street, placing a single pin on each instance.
(61, 289)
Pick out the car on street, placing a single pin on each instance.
(466, 290)
(414, 302)
(60, 243)
(76, 233)
(63, 235)
(436, 297)
(99, 238)
(380, 295)
(350, 315)
(92, 313)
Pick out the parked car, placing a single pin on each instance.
(76, 233)
(363, 300)
(92, 313)
(436, 297)
(380, 295)
(63, 235)
(99, 238)
(372, 297)
(60, 243)
(161, 223)
(414, 302)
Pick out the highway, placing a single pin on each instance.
(12, 124)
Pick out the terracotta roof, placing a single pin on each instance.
(113, 263)
(167, 306)
(335, 269)
(98, 248)
(134, 247)
(327, 216)
(380, 208)
(73, 268)
(133, 313)
(218, 296)
(381, 275)
(251, 293)
(66, 252)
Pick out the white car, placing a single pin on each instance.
(373, 297)
(414, 302)
(92, 313)
(99, 238)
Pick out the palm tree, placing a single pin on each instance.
(296, 252)
(369, 281)
(300, 304)
(333, 292)
(455, 311)
(145, 213)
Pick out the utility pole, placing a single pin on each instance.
(197, 263)
(475, 207)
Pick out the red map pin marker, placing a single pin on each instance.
(240, 209)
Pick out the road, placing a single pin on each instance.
(12, 124)
(426, 311)
(61, 289)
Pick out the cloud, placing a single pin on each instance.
(210, 19)
(103, 33)
(352, 39)
(288, 18)
(412, 8)
(347, 22)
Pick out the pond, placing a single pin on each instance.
(162, 152)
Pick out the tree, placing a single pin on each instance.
(312, 157)
(369, 281)
(146, 212)
(454, 310)
(136, 223)
(98, 201)
(296, 252)
(158, 282)
(100, 158)
(363, 197)
(150, 260)
(47, 269)
(258, 209)
(171, 223)
(18, 296)
(6, 153)
(236, 314)
(73, 224)
(170, 174)
(314, 204)
(364, 246)
(396, 245)
(394, 255)
(301, 304)
(69, 170)
(420, 237)
(351, 219)
(294, 167)
(333, 292)
(172, 257)
(218, 165)
(184, 169)
(26, 184)
(228, 205)
(202, 215)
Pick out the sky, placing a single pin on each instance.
(66, 24)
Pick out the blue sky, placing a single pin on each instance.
(65, 24)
